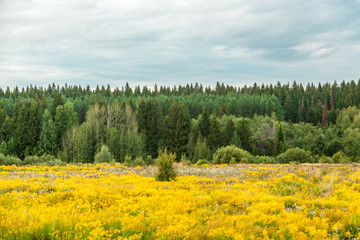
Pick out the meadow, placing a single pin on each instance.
(242, 201)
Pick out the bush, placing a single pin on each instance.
(139, 161)
(32, 160)
(185, 160)
(325, 159)
(165, 163)
(149, 160)
(103, 156)
(45, 159)
(340, 157)
(262, 159)
(202, 161)
(231, 154)
(9, 160)
(128, 160)
(295, 155)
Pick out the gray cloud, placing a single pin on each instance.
(177, 42)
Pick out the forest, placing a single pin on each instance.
(279, 123)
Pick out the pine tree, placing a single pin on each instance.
(244, 133)
(325, 115)
(223, 111)
(204, 123)
(148, 117)
(57, 102)
(280, 144)
(176, 129)
(229, 131)
(213, 139)
(332, 102)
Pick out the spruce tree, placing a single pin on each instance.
(244, 133)
(204, 123)
(213, 139)
(57, 102)
(280, 144)
(176, 129)
(325, 115)
(229, 131)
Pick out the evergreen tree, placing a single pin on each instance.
(280, 144)
(223, 111)
(325, 115)
(57, 102)
(176, 129)
(47, 143)
(332, 102)
(244, 133)
(148, 116)
(229, 131)
(204, 123)
(213, 139)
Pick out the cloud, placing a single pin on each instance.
(172, 42)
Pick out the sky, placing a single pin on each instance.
(176, 42)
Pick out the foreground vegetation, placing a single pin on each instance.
(242, 201)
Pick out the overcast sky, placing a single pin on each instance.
(172, 42)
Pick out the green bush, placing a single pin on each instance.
(202, 161)
(32, 160)
(9, 160)
(165, 163)
(262, 159)
(295, 155)
(149, 160)
(325, 159)
(340, 157)
(45, 159)
(139, 161)
(104, 156)
(128, 160)
(185, 160)
(230, 154)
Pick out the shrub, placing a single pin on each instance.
(230, 154)
(202, 161)
(340, 157)
(294, 155)
(149, 160)
(333, 147)
(9, 160)
(185, 160)
(165, 163)
(45, 159)
(128, 160)
(262, 159)
(139, 161)
(103, 156)
(32, 160)
(325, 159)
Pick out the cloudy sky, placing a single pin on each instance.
(172, 42)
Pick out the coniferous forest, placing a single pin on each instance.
(219, 124)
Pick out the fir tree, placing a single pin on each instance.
(204, 123)
(213, 139)
(176, 129)
(325, 115)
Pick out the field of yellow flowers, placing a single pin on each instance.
(111, 201)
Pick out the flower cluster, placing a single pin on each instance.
(111, 201)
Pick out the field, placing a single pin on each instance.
(111, 201)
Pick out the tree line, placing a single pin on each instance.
(73, 123)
